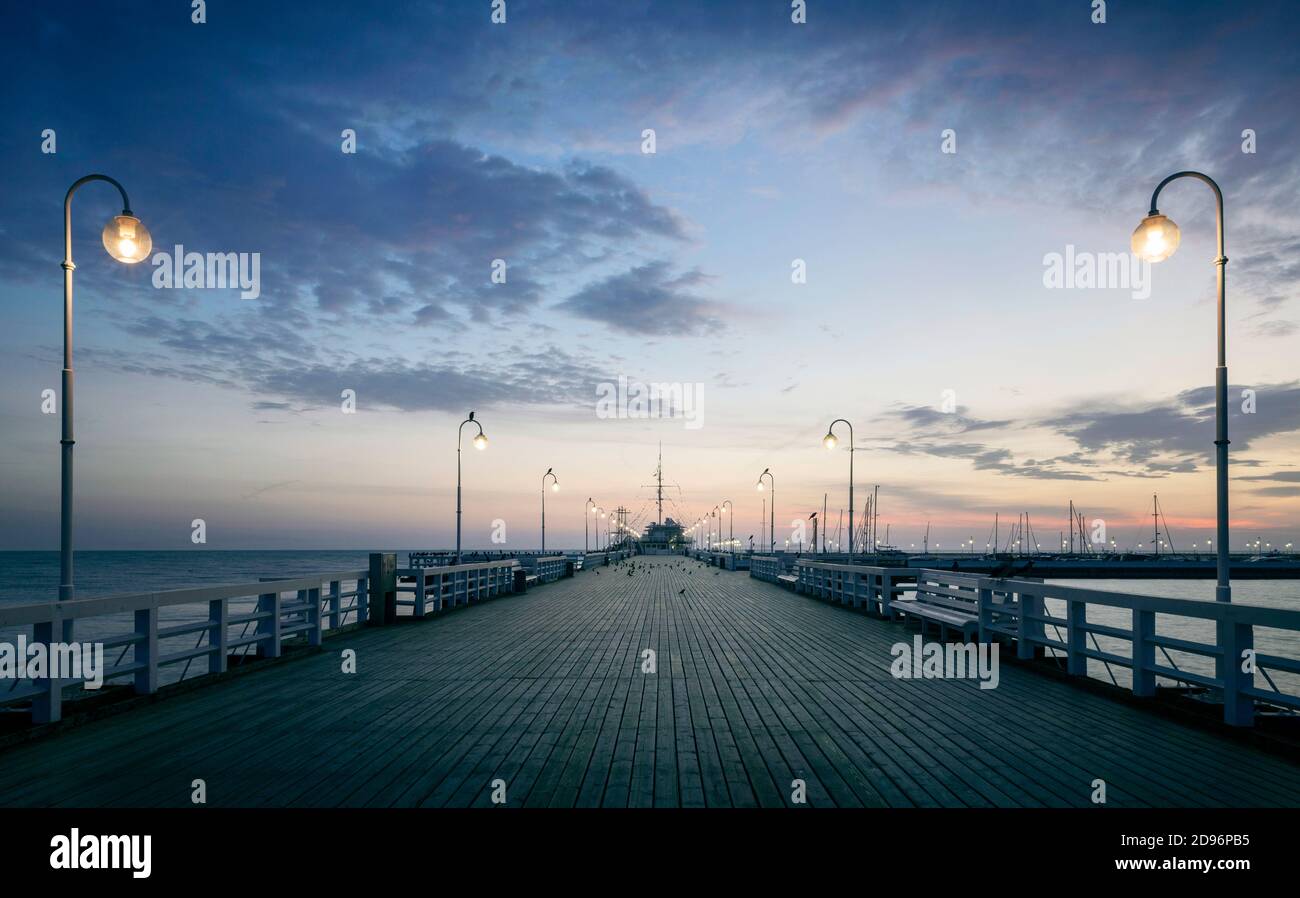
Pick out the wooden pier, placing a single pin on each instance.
(754, 687)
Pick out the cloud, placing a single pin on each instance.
(1153, 441)
(292, 371)
(1179, 435)
(648, 299)
(957, 421)
(1287, 476)
(1276, 328)
(999, 460)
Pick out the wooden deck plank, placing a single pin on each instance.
(755, 687)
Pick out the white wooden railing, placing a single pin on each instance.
(431, 589)
(146, 636)
(548, 568)
(1026, 610)
(855, 585)
(765, 567)
(1124, 631)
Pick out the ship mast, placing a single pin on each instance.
(659, 477)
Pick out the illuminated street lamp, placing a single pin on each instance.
(829, 442)
(1155, 240)
(771, 526)
(127, 240)
(731, 524)
(555, 485)
(480, 443)
(586, 547)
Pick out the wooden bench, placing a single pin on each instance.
(949, 601)
(789, 581)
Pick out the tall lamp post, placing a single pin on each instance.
(829, 441)
(480, 443)
(127, 240)
(771, 526)
(555, 485)
(586, 546)
(731, 524)
(600, 511)
(1155, 240)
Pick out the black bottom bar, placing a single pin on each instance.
(226, 848)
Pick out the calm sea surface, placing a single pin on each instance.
(34, 576)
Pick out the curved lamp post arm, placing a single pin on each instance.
(731, 524)
(771, 526)
(551, 474)
(586, 538)
(459, 432)
(1222, 260)
(67, 209)
(830, 431)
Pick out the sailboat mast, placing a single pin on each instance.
(824, 522)
(1155, 521)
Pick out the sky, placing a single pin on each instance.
(854, 216)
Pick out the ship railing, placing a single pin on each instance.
(155, 638)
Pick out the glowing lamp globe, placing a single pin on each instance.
(127, 239)
(1156, 238)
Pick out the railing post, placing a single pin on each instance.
(419, 592)
(1144, 653)
(984, 611)
(146, 651)
(383, 588)
(47, 706)
(268, 627)
(363, 599)
(217, 635)
(1235, 640)
(314, 635)
(1029, 605)
(1076, 618)
(336, 590)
